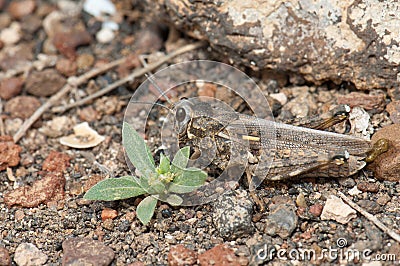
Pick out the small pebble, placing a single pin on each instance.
(281, 221)
(301, 201)
(44, 83)
(368, 187)
(85, 61)
(108, 224)
(4, 256)
(354, 191)
(20, 9)
(108, 214)
(5, 20)
(393, 108)
(370, 206)
(359, 121)
(219, 255)
(105, 35)
(29, 254)
(22, 106)
(97, 8)
(233, 213)
(363, 100)
(89, 114)
(124, 226)
(11, 35)
(56, 127)
(336, 209)
(56, 162)
(316, 209)
(67, 42)
(83, 137)
(347, 182)
(280, 97)
(382, 200)
(10, 87)
(86, 251)
(66, 67)
(9, 152)
(19, 215)
(180, 255)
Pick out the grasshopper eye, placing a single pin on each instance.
(180, 114)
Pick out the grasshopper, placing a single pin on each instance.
(270, 150)
(264, 149)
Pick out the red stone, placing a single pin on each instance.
(49, 188)
(66, 67)
(56, 162)
(22, 106)
(393, 109)
(366, 101)
(108, 214)
(179, 255)
(368, 187)
(10, 87)
(9, 152)
(67, 42)
(316, 209)
(19, 9)
(219, 255)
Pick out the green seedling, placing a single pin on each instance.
(166, 182)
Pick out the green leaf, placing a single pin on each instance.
(115, 189)
(145, 209)
(137, 150)
(189, 180)
(164, 164)
(180, 160)
(156, 187)
(174, 200)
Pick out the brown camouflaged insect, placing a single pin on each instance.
(271, 150)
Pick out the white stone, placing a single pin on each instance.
(110, 25)
(354, 191)
(105, 35)
(336, 209)
(359, 121)
(12, 34)
(97, 8)
(280, 97)
(28, 254)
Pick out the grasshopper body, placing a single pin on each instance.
(270, 150)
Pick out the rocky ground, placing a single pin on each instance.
(44, 219)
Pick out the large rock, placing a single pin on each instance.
(352, 41)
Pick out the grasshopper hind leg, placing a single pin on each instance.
(323, 121)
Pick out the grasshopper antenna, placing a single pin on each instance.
(162, 93)
(142, 59)
(153, 103)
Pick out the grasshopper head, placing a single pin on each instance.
(182, 115)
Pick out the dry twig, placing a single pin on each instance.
(137, 73)
(371, 217)
(76, 81)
